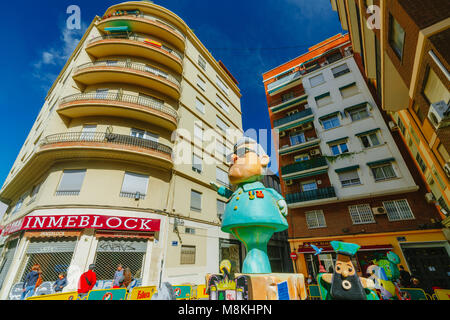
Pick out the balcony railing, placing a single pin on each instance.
(108, 138)
(135, 37)
(276, 102)
(120, 97)
(139, 14)
(129, 65)
(295, 116)
(318, 194)
(304, 165)
(285, 80)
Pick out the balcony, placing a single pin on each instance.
(281, 104)
(311, 165)
(282, 83)
(121, 71)
(145, 23)
(70, 145)
(312, 195)
(295, 147)
(138, 45)
(121, 105)
(295, 118)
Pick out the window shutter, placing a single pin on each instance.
(72, 180)
(196, 200)
(133, 183)
(316, 80)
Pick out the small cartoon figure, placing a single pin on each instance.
(344, 283)
(253, 212)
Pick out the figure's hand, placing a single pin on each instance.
(283, 207)
(214, 185)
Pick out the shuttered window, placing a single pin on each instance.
(361, 214)
(349, 178)
(187, 255)
(315, 219)
(398, 210)
(196, 200)
(222, 176)
(199, 105)
(134, 183)
(220, 208)
(7, 260)
(434, 89)
(196, 163)
(71, 182)
(316, 80)
(222, 104)
(221, 124)
(349, 91)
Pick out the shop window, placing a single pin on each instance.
(396, 36)
(110, 253)
(134, 185)
(230, 250)
(361, 214)
(187, 255)
(71, 182)
(315, 219)
(398, 210)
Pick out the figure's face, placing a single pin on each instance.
(344, 267)
(345, 283)
(246, 165)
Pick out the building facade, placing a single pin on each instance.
(117, 166)
(402, 47)
(342, 173)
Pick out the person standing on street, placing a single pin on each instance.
(59, 284)
(118, 276)
(87, 282)
(29, 285)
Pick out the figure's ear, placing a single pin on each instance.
(265, 160)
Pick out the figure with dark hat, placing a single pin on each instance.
(344, 283)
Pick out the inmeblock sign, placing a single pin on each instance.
(83, 222)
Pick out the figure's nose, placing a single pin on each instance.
(234, 157)
(344, 273)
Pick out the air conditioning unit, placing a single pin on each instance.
(379, 211)
(307, 126)
(429, 197)
(447, 169)
(306, 106)
(393, 126)
(439, 114)
(314, 152)
(289, 182)
(282, 133)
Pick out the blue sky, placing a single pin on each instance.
(249, 36)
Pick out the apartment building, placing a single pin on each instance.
(116, 168)
(342, 173)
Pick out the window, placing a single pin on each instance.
(101, 94)
(287, 96)
(187, 255)
(134, 185)
(383, 172)
(323, 100)
(309, 186)
(221, 149)
(361, 213)
(396, 36)
(316, 80)
(222, 85)
(196, 201)
(18, 205)
(349, 90)
(201, 83)
(434, 90)
(222, 104)
(199, 105)
(221, 208)
(398, 210)
(88, 132)
(349, 178)
(34, 192)
(297, 138)
(301, 157)
(443, 152)
(315, 219)
(421, 163)
(196, 163)
(198, 130)
(201, 62)
(71, 181)
(222, 177)
(221, 124)
(339, 148)
(331, 122)
(370, 140)
(359, 114)
(189, 230)
(340, 70)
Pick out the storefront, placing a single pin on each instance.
(60, 243)
(231, 250)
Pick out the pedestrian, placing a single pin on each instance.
(87, 282)
(118, 276)
(127, 279)
(405, 277)
(310, 280)
(59, 284)
(31, 279)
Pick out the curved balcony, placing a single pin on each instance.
(89, 145)
(121, 105)
(110, 71)
(145, 23)
(135, 45)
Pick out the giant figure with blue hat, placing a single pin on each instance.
(344, 283)
(253, 212)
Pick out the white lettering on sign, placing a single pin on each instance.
(84, 222)
(39, 221)
(113, 227)
(126, 223)
(70, 223)
(144, 222)
(94, 225)
(53, 224)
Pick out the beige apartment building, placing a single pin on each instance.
(117, 166)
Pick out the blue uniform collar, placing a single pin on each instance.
(252, 186)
